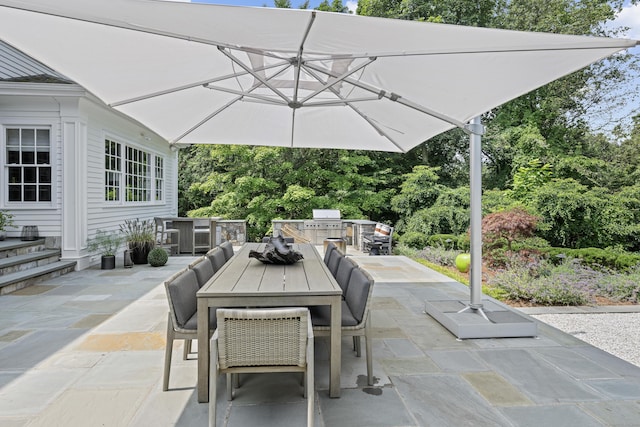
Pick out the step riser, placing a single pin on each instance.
(30, 264)
(22, 251)
(31, 281)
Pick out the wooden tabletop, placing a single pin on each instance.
(244, 276)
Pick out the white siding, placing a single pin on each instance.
(86, 122)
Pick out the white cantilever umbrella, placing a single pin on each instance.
(200, 73)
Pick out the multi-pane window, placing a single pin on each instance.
(112, 170)
(138, 175)
(159, 178)
(131, 174)
(29, 164)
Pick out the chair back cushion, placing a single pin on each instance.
(262, 337)
(343, 274)
(330, 248)
(217, 258)
(334, 261)
(227, 248)
(358, 293)
(181, 292)
(203, 269)
(382, 230)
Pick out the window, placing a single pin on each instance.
(138, 175)
(141, 173)
(159, 178)
(29, 164)
(112, 170)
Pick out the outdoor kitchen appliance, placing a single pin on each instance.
(325, 223)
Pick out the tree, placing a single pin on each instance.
(334, 6)
(512, 225)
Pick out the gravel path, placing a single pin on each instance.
(615, 333)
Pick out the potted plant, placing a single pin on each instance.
(158, 257)
(6, 220)
(141, 238)
(107, 243)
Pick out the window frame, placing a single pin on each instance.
(52, 165)
(132, 170)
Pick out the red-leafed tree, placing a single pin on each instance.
(511, 225)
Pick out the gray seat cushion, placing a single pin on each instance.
(343, 274)
(357, 293)
(330, 248)
(192, 323)
(217, 258)
(227, 248)
(182, 292)
(321, 315)
(352, 307)
(334, 261)
(204, 271)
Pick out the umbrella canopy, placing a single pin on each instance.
(201, 73)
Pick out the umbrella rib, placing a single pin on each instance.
(298, 65)
(339, 79)
(254, 74)
(191, 85)
(394, 97)
(361, 114)
(206, 119)
(248, 94)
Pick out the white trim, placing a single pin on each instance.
(54, 139)
(153, 153)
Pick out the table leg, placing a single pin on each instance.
(336, 347)
(203, 350)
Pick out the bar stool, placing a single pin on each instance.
(169, 236)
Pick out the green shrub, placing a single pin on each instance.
(447, 241)
(413, 239)
(464, 242)
(538, 282)
(595, 257)
(158, 257)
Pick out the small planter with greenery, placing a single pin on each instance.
(6, 220)
(107, 243)
(158, 257)
(141, 238)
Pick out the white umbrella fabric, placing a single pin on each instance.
(201, 73)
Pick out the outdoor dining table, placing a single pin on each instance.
(247, 282)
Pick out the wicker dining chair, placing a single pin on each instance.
(182, 323)
(258, 341)
(356, 320)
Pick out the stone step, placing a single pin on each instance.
(13, 247)
(21, 279)
(28, 260)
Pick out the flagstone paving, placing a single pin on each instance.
(87, 349)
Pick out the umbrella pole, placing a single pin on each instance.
(476, 131)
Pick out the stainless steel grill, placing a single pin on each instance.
(325, 223)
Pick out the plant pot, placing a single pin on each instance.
(139, 253)
(3, 234)
(108, 262)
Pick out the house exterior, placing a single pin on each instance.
(71, 165)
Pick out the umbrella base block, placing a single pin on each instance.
(490, 320)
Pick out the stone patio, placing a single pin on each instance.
(87, 348)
